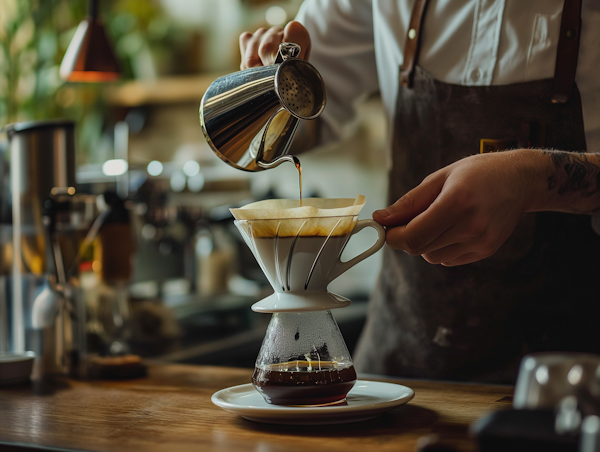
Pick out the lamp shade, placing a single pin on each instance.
(90, 57)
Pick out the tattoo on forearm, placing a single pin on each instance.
(575, 174)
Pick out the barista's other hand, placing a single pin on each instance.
(260, 48)
(463, 212)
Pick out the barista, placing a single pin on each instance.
(512, 229)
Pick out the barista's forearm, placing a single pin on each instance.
(570, 182)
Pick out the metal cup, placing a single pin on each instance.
(545, 379)
(249, 118)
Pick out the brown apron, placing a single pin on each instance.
(541, 290)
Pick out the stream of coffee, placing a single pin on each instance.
(299, 179)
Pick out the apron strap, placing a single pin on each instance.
(566, 55)
(411, 46)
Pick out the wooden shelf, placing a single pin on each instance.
(165, 90)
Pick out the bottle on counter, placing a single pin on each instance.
(113, 256)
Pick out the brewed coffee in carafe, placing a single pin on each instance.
(303, 361)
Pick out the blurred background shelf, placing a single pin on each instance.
(164, 90)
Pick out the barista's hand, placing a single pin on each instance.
(260, 48)
(465, 211)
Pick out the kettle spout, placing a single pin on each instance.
(278, 161)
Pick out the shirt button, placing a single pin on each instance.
(476, 75)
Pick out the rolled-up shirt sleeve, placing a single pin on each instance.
(341, 33)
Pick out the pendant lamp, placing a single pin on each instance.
(90, 57)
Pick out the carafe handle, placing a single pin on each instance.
(341, 267)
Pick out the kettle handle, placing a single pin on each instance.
(287, 50)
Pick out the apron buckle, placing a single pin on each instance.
(488, 145)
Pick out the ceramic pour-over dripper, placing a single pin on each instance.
(303, 359)
(300, 255)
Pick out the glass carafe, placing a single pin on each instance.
(303, 360)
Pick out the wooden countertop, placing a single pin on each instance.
(170, 410)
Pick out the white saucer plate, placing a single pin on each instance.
(366, 400)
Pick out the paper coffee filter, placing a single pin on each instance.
(316, 217)
(289, 208)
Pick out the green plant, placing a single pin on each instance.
(34, 35)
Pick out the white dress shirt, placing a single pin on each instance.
(357, 46)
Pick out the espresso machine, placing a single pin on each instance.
(42, 311)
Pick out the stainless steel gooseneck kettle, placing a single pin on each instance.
(249, 118)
